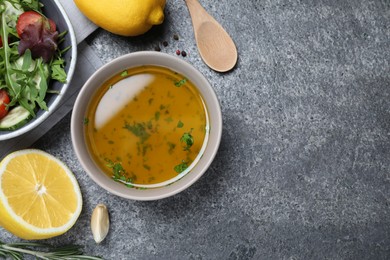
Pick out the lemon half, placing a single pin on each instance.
(39, 196)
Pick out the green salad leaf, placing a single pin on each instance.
(24, 78)
(57, 70)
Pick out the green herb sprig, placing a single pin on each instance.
(16, 251)
(119, 173)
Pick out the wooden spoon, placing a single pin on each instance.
(215, 46)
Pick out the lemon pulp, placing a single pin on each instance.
(39, 195)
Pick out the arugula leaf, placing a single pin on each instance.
(57, 70)
(27, 60)
(14, 89)
(32, 77)
(31, 5)
(42, 87)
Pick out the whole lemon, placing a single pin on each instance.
(123, 17)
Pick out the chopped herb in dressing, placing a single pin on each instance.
(180, 124)
(180, 82)
(138, 130)
(119, 173)
(171, 147)
(181, 167)
(157, 116)
(188, 140)
(145, 149)
(169, 119)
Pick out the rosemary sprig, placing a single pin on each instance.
(15, 251)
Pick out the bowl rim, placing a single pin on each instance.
(28, 127)
(158, 59)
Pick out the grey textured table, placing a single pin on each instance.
(303, 168)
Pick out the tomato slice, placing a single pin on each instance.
(26, 18)
(4, 100)
(32, 17)
(52, 24)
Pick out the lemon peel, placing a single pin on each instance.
(124, 17)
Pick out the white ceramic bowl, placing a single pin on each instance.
(53, 10)
(113, 68)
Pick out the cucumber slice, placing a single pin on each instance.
(16, 117)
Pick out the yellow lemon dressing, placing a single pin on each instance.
(146, 125)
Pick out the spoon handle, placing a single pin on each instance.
(198, 14)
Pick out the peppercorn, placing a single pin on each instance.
(157, 48)
(165, 43)
(175, 37)
(178, 52)
(183, 53)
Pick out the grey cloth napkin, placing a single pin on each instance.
(87, 64)
(81, 25)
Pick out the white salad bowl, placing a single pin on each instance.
(186, 178)
(53, 10)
